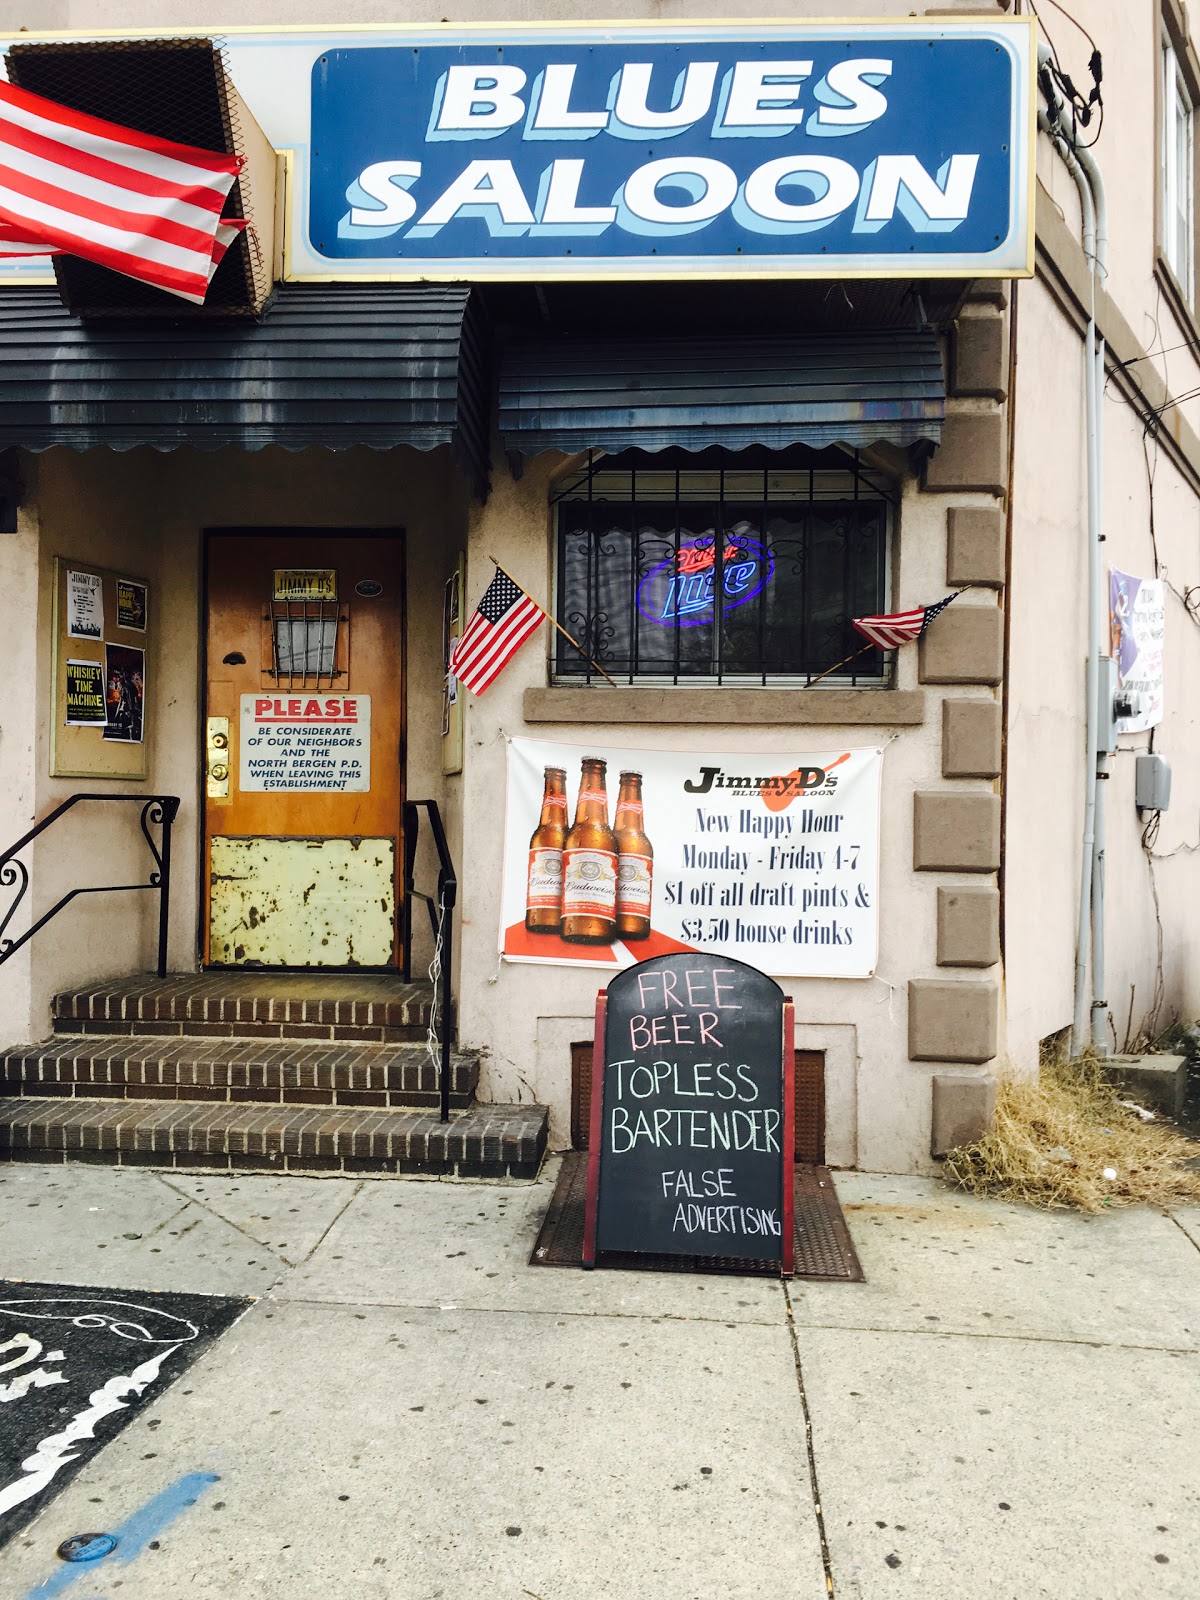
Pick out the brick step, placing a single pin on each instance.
(487, 1141)
(378, 1008)
(271, 1071)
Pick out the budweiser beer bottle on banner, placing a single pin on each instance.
(543, 885)
(590, 864)
(635, 861)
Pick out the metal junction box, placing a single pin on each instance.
(1152, 783)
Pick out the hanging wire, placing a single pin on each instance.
(1155, 412)
(433, 1044)
(1152, 355)
(1151, 463)
(1150, 832)
(1150, 1024)
(1074, 21)
(1083, 106)
(1152, 415)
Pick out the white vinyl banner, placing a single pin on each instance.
(773, 859)
(314, 742)
(1137, 619)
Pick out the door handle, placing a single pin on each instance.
(217, 759)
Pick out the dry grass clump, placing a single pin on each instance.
(1053, 1137)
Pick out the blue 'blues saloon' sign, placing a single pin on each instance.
(548, 152)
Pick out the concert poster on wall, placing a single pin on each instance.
(131, 605)
(85, 605)
(86, 707)
(125, 692)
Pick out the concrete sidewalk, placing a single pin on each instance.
(1005, 1409)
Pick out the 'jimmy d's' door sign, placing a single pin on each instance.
(691, 1142)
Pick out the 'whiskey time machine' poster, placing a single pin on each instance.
(771, 859)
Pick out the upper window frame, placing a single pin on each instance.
(1176, 79)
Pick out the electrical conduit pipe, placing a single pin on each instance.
(1093, 206)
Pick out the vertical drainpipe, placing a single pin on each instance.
(1099, 1003)
(1086, 174)
(1098, 614)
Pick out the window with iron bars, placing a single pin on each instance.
(671, 570)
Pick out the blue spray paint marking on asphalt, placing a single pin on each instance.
(136, 1532)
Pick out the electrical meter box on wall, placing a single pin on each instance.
(1152, 783)
(1109, 706)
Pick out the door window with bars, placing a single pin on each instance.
(306, 644)
(669, 573)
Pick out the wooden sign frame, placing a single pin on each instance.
(82, 751)
(787, 1261)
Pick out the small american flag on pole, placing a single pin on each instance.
(500, 625)
(145, 207)
(900, 627)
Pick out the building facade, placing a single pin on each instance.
(311, 502)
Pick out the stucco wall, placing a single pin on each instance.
(1145, 484)
(526, 1017)
(1046, 718)
(19, 722)
(144, 512)
(1047, 649)
(147, 14)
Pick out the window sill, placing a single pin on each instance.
(859, 708)
(1184, 314)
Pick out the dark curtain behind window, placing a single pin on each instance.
(637, 583)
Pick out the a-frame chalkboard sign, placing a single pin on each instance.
(692, 1116)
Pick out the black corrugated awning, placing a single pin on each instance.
(330, 364)
(854, 389)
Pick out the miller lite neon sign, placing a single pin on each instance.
(683, 590)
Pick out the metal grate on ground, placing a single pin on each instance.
(824, 1251)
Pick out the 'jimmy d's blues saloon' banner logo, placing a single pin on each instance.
(586, 151)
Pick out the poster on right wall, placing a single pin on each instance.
(1137, 622)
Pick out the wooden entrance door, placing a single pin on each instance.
(304, 739)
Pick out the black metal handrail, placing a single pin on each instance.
(441, 916)
(158, 810)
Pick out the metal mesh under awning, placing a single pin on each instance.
(856, 389)
(336, 365)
